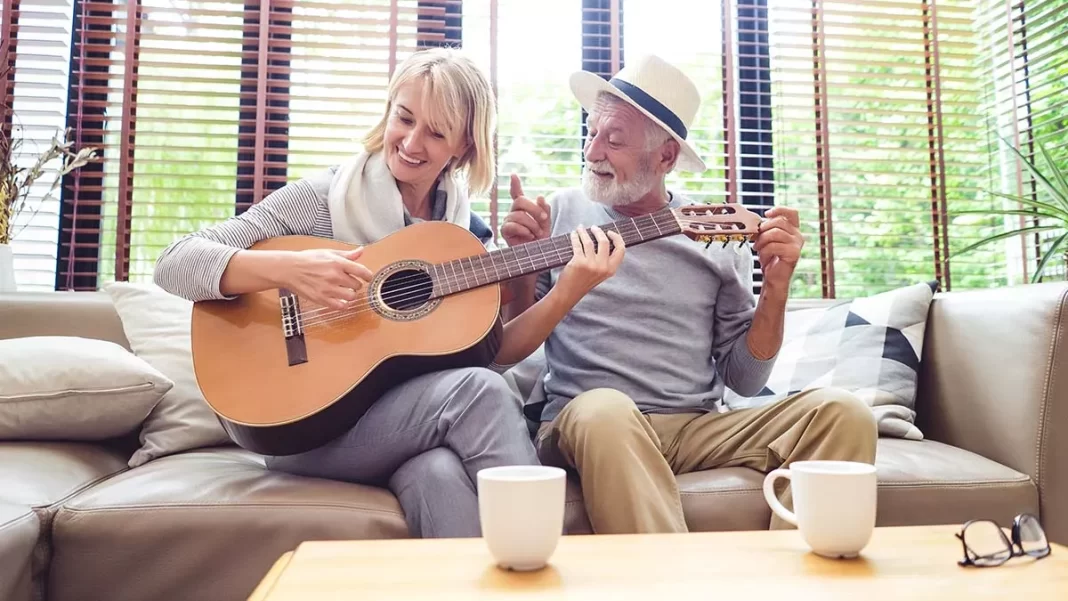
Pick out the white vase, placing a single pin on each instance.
(7, 268)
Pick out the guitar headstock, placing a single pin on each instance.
(725, 222)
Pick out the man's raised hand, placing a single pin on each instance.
(528, 220)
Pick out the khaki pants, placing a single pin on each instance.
(627, 461)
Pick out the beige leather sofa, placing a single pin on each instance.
(77, 525)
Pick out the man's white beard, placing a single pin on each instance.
(609, 191)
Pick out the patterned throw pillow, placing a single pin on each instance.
(870, 346)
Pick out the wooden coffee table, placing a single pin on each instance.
(914, 563)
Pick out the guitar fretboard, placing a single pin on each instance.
(517, 261)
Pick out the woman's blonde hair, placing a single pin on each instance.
(460, 102)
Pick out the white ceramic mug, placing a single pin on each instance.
(521, 508)
(834, 504)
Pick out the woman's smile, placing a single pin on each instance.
(407, 158)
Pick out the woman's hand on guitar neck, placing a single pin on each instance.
(331, 278)
(590, 265)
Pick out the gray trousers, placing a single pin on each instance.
(426, 440)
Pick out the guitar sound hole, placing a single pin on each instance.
(406, 289)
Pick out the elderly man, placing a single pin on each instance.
(637, 369)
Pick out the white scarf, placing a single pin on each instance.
(366, 206)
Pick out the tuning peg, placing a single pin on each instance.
(708, 239)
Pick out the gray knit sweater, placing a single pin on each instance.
(668, 329)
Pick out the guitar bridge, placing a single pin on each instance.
(292, 327)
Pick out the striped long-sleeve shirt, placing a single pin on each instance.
(193, 265)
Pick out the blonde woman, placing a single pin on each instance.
(427, 438)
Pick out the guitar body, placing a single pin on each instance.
(281, 390)
(285, 376)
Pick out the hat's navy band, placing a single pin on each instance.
(652, 105)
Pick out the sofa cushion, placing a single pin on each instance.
(19, 530)
(74, 389)
(920, 482)
(41, 474)
(712, 500)
(927, 482)
(218, 517)
(724, 499)
(576, 521)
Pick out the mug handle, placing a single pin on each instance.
(773, 501)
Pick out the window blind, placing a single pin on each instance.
(696, 47)
(878, 121)
(877, 139)
(202, 108)
(539, 135)
(34, 53)
(723, 47)
(1025, 60)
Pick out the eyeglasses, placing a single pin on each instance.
(985, 544)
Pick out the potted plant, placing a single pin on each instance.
(15, 184)
(1050, 209)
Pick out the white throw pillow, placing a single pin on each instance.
(157, 324)
(72, 388)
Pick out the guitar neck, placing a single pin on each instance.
(502, 265)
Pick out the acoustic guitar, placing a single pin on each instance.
(285, 376)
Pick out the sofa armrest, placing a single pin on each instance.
(994, 381)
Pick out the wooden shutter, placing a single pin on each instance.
(9, 18)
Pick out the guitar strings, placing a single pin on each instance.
(456, 279)
(364, 305)
(360, 307)
(396, 294)
(399, 294)
(325, 315)
(421, 289)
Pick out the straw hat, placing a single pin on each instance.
(656, 88)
